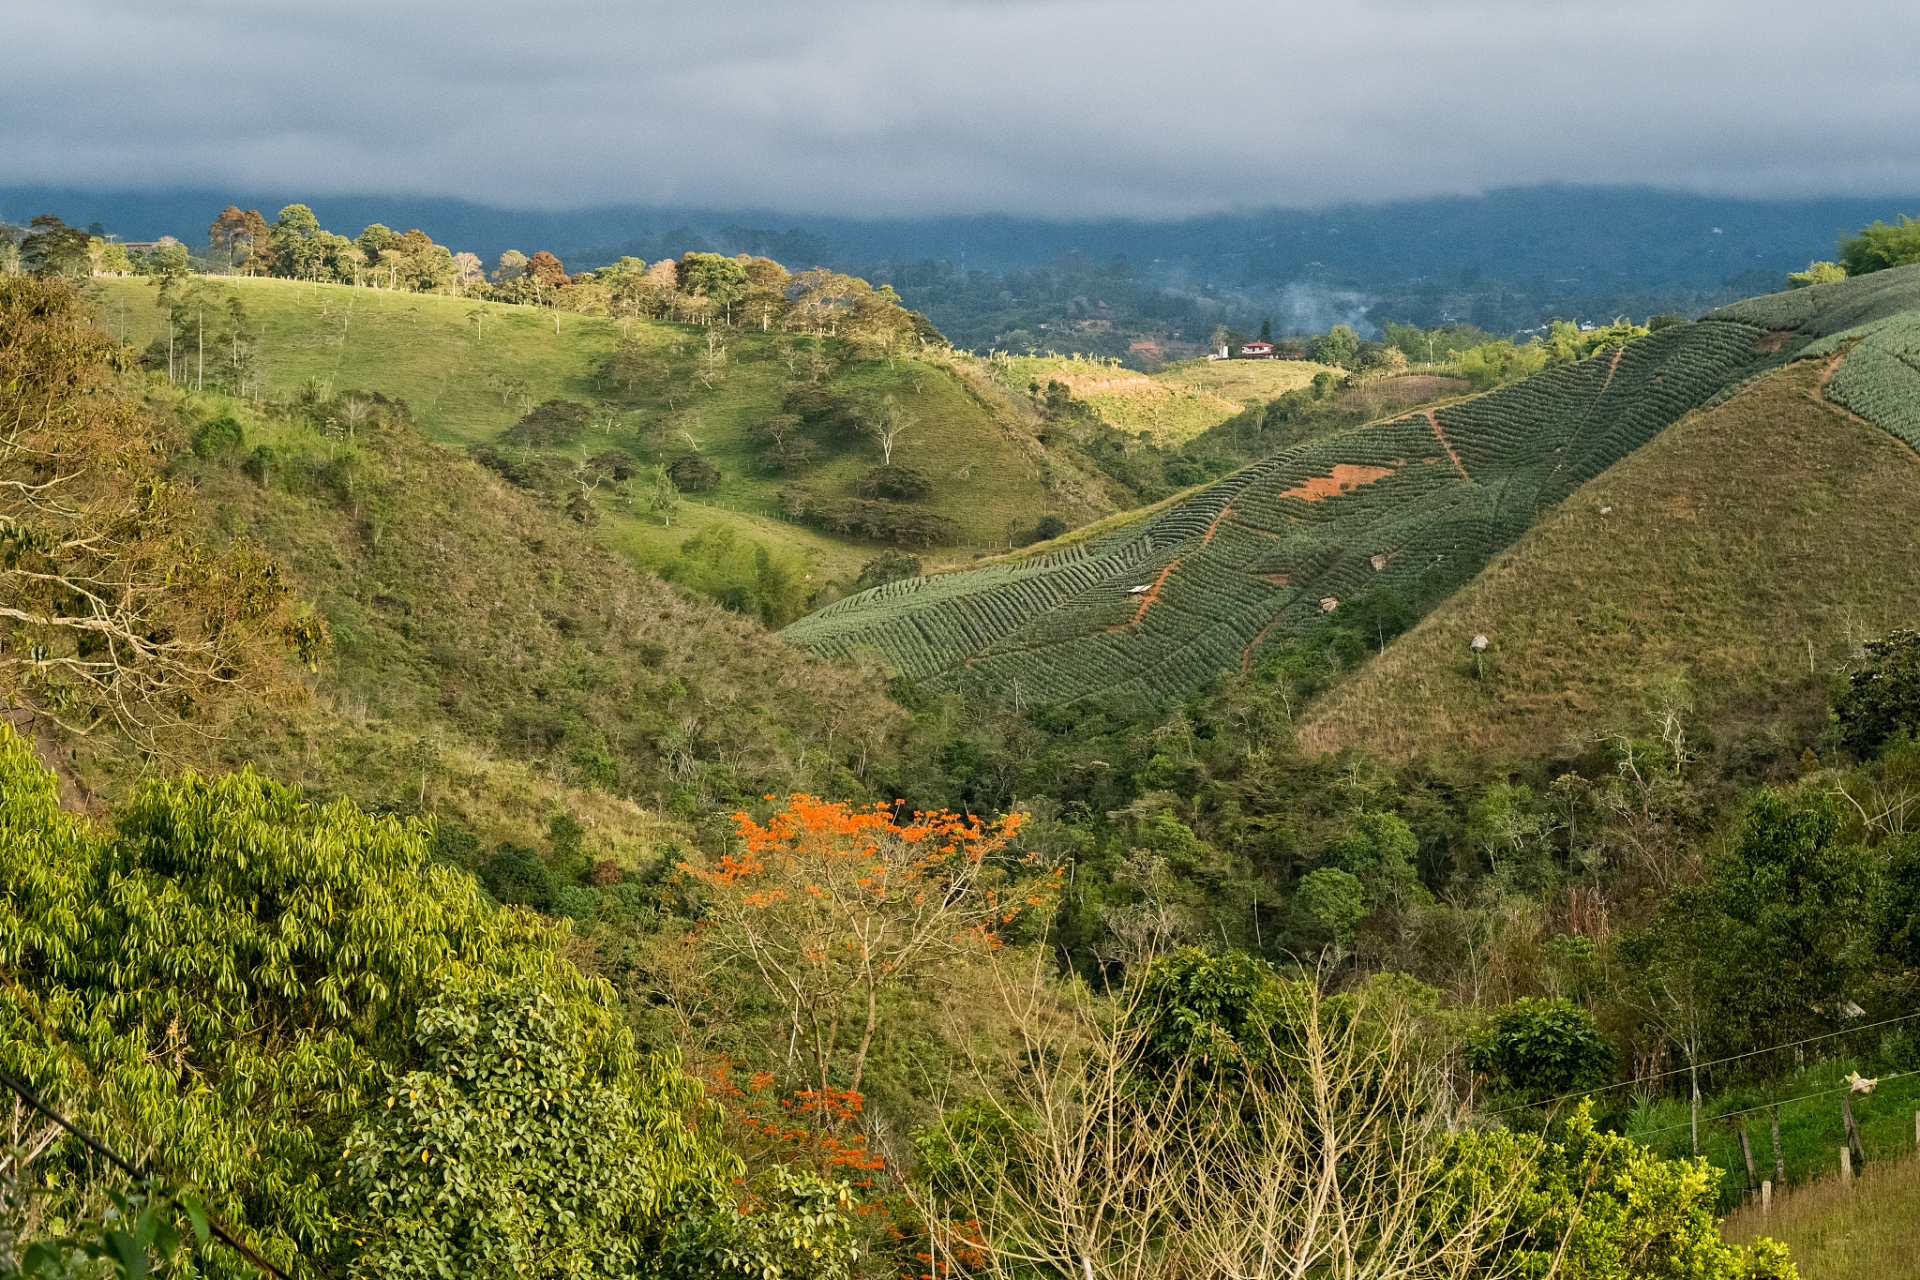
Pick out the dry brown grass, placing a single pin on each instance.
(1868, 1231)
(1748, 548)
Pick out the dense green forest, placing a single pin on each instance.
(400, 872)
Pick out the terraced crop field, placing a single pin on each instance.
(1416, 504)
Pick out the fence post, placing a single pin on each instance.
(1846, 1166)
(1766, 1198)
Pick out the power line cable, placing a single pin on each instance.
(1801, 1097)
(100, 1148)
(1701, 1066)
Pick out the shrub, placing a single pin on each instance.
(528, 1142)
(617, 463)
(1602, 1207)
(1048, 528)
(551, 422)
(906, 484)
(1883, 698)
(516, 877)
(260, 464)
(889, 566)
(218, 438)
(1332, 899)
(525, 472)
(692, 473)
(1882, 245)
(1816, 273)
(1538, 1049)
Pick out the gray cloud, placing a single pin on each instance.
(1071, 108)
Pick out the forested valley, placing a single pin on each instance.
(435, 843)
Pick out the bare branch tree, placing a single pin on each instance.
(110, 609)
(1318, 1154)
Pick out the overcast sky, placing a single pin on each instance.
(1077, 108)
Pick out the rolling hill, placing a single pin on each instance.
(1747, 551)
(489, 662)
(1409, 509)
(469, 370)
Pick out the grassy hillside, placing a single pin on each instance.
(1174, 405)
(489, 661)
(468, 371)
(1840, 1232)
(1746, 550)
(1402, 511)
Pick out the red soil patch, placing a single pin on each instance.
(1613, 368)
(1208, 536)
(1346, 475)
(1768, 343)
(1246, 655)
(1440, 435)
(1280, 579)
(1152, 594)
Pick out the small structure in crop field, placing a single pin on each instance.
(1142, 589)
(1479, 644)
(1328, 604)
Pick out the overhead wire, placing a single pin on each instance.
(1701, 1066)
(1747, 1111)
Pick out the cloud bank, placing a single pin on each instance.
(1068, 109)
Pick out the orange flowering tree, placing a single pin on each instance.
(831, 903)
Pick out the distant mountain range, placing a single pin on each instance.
(1503, 260)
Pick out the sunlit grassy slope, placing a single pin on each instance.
(489, 661)
(1174, 405)
(1746, 551)
(468, 371)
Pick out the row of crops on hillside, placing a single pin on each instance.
(1409, 509)
(1880, 377)
(1826, 309)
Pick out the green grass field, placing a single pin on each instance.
(1811, 1129)
(469, 370)
(1177, 404)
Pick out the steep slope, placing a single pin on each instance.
(469, 619)
(1402, 512)
(1410, 508)
(1747, 550)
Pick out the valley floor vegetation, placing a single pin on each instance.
(422, 889)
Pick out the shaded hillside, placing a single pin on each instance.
(1747, 551)
(467, 616)
(1403, 511)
